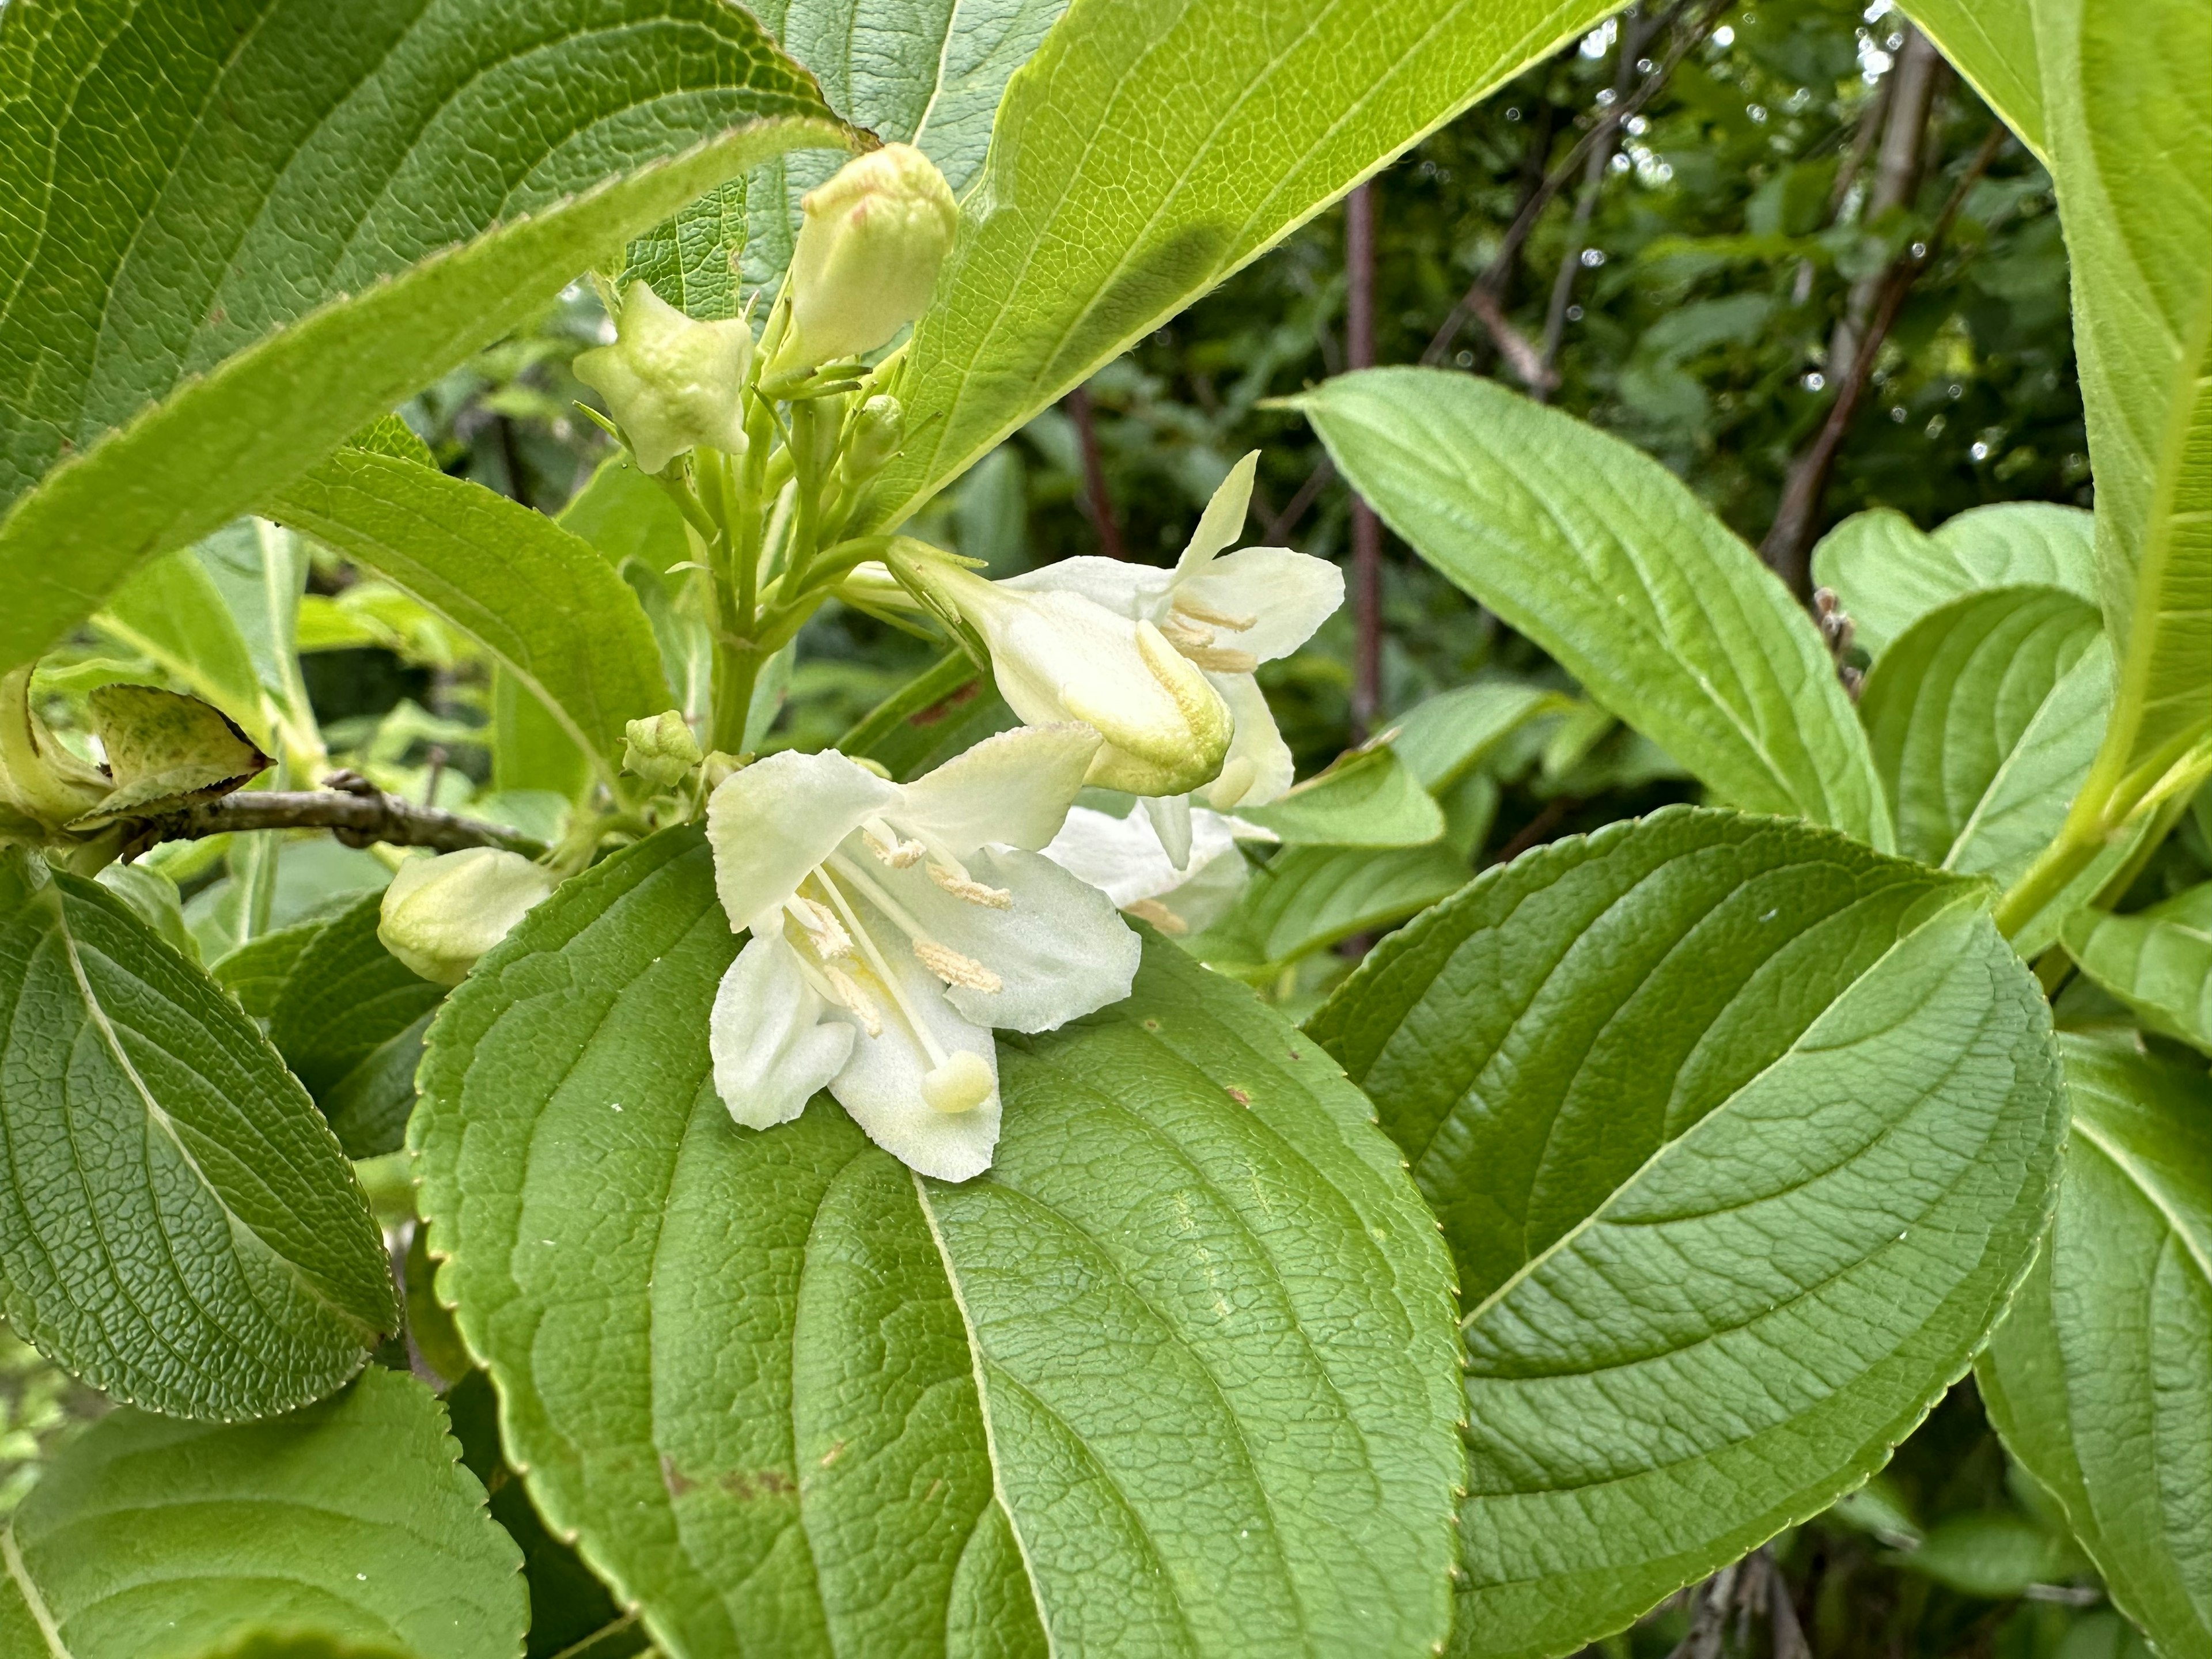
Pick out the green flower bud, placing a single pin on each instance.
(671, 383)
(42, 785)
(661, 750)
(718, 767)
(878, 433)
(866, 255)
(441, 914)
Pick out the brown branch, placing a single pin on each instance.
(1282, 523)
(1600, 131)
(350, 807)
(1787, 543)
(1523, 358)
(1096, 496)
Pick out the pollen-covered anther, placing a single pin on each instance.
(1151, 910)
(824, 931)
(855, 1000)
(962, 885)
(1220, 658)
(1196, 611)
(954, 968)
(885, 842)
(1185, 635)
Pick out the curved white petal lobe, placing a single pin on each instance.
(881, 1085)
(1012, 789)
(1223, 521)
(773, 822)
(772, 1047)
(1286, 595)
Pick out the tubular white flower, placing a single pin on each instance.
(441, 914)
(1225, 614)
(1125, 859)
(866, 255)
(893, 926)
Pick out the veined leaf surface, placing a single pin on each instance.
(1173, 1377)
(1150, 148)
(1740, 1133)
(2099, 1379)
(1603, 557)
(238, 230)
(2157, 960)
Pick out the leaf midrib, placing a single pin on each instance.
(13, 1555)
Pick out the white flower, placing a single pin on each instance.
(1125, 858)
(441, 914)
(866, 255)
(1225, 614)
(893, 926)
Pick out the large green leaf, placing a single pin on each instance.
(2158, 961)
(1308, 898)
(181, 1228)
(1175, 1376)
(1740, 1133)
(1888, 575)
(2099, 1379)
(543, 601)
(1150, 148)
(1992, 43)
(1370, 799)
(1984, 718)
(237, 231)
(1604, 558)
(351, 1521)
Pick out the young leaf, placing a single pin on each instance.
(1440, 737)
(1888, 574)
(1307, 898)
(1983, 719)
(2099, 1379)
(348, 1526)
(171, 612)
(349, 1023)
(2158, 961)
(165, 751)
(1740, 1134)
(201, 307)
(1175, 1376)
(545, 604)
(1149, 149)
(1366, 799)
(181, 1230)
(1992, 43)
(1604, 558)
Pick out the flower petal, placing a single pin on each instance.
(1012, 789)
(882, 1084)
(1223, 521)
(775, 820)
(1169, 816)
(1258, 768)
(1059, 949)
(1132, 591)
(1123, 857)
(771, 1045)
(1288, 595)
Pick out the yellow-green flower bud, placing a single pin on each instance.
(441, 914)
(878, 433)
(671, 384)
(866, 255)
(661, 750)
(42, 785)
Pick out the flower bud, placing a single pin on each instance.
(661, 750)
(441, 914)
(720, 766)
(1059, 656)
(866, 255)
(42, 785)
(879, 433)
(671, 383)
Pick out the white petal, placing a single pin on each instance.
(1059, 949)
(1258, 768)
(1013, 789)
(776, 819)
(1169, 816)
(1223, 521)
(1287, 594)
(1123, 858)
(771, 1046)
(881, 1085)
(1127, 590)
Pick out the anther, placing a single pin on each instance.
(824, 931)
(954, 968)
(1221, 659)
(1198, 611)
(885, 842)
(962, 885)
(856, 999)
(1151, 910)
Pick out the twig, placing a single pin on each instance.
(1523, 358)
(1308, 492)
(1366, 529)
(1708, 1616)
(1096, 496)
(350, 806)
(1508, 250)
(1785, 547)
(1538, 829)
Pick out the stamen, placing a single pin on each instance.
(1199, 611)
(1182, 635)
(1220, 658)
(824, 933)
(954, 968)
(930, 1045)
(1151, 910)
(885, 843)
(849, 993)
(962, 885)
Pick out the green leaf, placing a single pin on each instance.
(181, 1230)
(1992, 43)
(1604, 558)
(255, 973)
(1440, 737)
(1991, 1553)
(1983, 719)
(171, 612)
(1195, 1304)
(634, 523)
(165, 751)
(2158, 961)
(199, 308)
(1308, 898)
(1367, 799)
(349, 1023)
(942, 712)
(1888, 575)
(542, 601)
(1150, 148)
(1739, 1134)
(349, 1527)
(2099, 1379)
(155, 899)
(529, 747)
